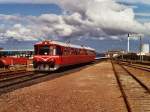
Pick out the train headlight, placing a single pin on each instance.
(4, 61)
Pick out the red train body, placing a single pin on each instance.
(8, 61)
(51, 55)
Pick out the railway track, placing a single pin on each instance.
(15, 81)
(135, 92)
(19, 78)
(137, 66)
(11, 73)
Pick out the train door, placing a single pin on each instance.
(59, 52)
(65, 56)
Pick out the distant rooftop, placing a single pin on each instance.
(17, 50)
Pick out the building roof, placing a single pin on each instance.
(19, 50)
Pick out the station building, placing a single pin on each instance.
(17, 53)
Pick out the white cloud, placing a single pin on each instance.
(143, 14)
(92, 18)
(20, 32)
(70, 2)
(9, 17)
(135, 1)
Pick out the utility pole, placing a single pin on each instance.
(141, 48)
(128, 46)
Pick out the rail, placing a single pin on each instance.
(120, 77)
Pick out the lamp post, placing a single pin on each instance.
(128, 46)
(141, 58)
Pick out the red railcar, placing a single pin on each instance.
(51, 55)
(8, 61)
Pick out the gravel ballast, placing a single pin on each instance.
(93, 89)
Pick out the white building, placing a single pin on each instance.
(145, 48)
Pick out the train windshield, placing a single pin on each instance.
(44, 50)
(48, 50)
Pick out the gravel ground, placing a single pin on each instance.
(92, 89)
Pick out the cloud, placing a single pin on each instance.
(81, 18)
(135, 1)
(143, 14)
(20, 32)
(68, 2)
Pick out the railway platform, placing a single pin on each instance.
(93, 88)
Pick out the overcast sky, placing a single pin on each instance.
(102, 24)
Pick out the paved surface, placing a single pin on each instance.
(92, 89)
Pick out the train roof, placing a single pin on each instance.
(65, 45)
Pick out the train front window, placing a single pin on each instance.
(35, 50)
(44, 50)
(48, 50)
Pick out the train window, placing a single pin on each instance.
(78, 51)
(52, 50)
(44, 50)
(90, 52)
(71, 51)
(82, 51)
(66, 51)
(36, 50)
(85, 52)
(74, 52)
(58, 50)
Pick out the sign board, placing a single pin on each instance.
(135, 35)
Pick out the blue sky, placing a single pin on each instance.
(25, 10)
(139, 9)
(38, 9)
(29, 9)
(145, 9)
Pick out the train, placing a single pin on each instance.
(6, 62)
(52, 55)
(9, 58)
